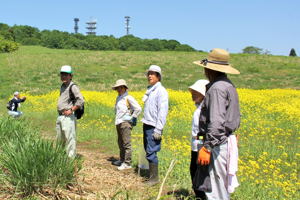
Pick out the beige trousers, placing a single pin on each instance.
(218, 174)
(66, 133)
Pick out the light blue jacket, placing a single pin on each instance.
(156, 107)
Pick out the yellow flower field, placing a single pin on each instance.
(268, 136)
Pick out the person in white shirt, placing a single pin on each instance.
(155, 113)
(197, 91)
(127, 110)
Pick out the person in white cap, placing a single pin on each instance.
(69, 101)
(14, 104)
(197, 91)
(155, 114)
(127, 110)
(219, 119)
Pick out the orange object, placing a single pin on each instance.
(203, 156)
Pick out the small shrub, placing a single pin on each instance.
(7, 46)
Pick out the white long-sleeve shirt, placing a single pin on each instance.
(195, 144)
(124, 114)
(156, 107)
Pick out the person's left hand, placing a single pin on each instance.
(156, 136)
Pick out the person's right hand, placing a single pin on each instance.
(203, 156)
(24, 97)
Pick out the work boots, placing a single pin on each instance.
(153, 179)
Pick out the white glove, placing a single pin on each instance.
(156, 136)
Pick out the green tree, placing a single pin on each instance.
(26, 35)
(54, 39)
(252, 50)
(153, 45)
(184, 47)
(293, 52)
(7, 45)
(130, 42)
(170, 44)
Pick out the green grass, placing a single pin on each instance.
(35, 69)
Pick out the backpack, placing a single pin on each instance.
(9, 105)
(80, 111)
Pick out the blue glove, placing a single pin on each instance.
(133, 121)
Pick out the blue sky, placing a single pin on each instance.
(203, 24)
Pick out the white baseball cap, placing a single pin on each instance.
(155, 68)
(66, 69)
(200, 86)
(16, 93)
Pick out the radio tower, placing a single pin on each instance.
(127, 27)
(91, 27)
(76, 20)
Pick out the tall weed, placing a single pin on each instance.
(31, 164)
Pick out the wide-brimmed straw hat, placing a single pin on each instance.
(218, 60)
(199, 86)
(120, 82)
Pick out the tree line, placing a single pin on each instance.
(27, 35)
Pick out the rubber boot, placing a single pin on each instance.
(153, 179)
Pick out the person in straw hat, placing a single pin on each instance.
(219, 119)
(156, 107)
(197, 91)
(127, 110)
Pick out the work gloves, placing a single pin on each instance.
(156, 136)
(133, 121)
(203, 156)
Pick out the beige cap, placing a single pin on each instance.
(120, 82)
(154, 68)
(218, 60)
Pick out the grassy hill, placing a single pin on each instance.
(35, 69)
(269, 131)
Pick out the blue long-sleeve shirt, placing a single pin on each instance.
(156, 107)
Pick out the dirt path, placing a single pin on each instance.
(99, 179)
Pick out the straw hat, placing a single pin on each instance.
(120, 82)
(199, 86)
(218, 60)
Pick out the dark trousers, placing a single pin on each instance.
(124, 141)
(193, 168)
(151, 146)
